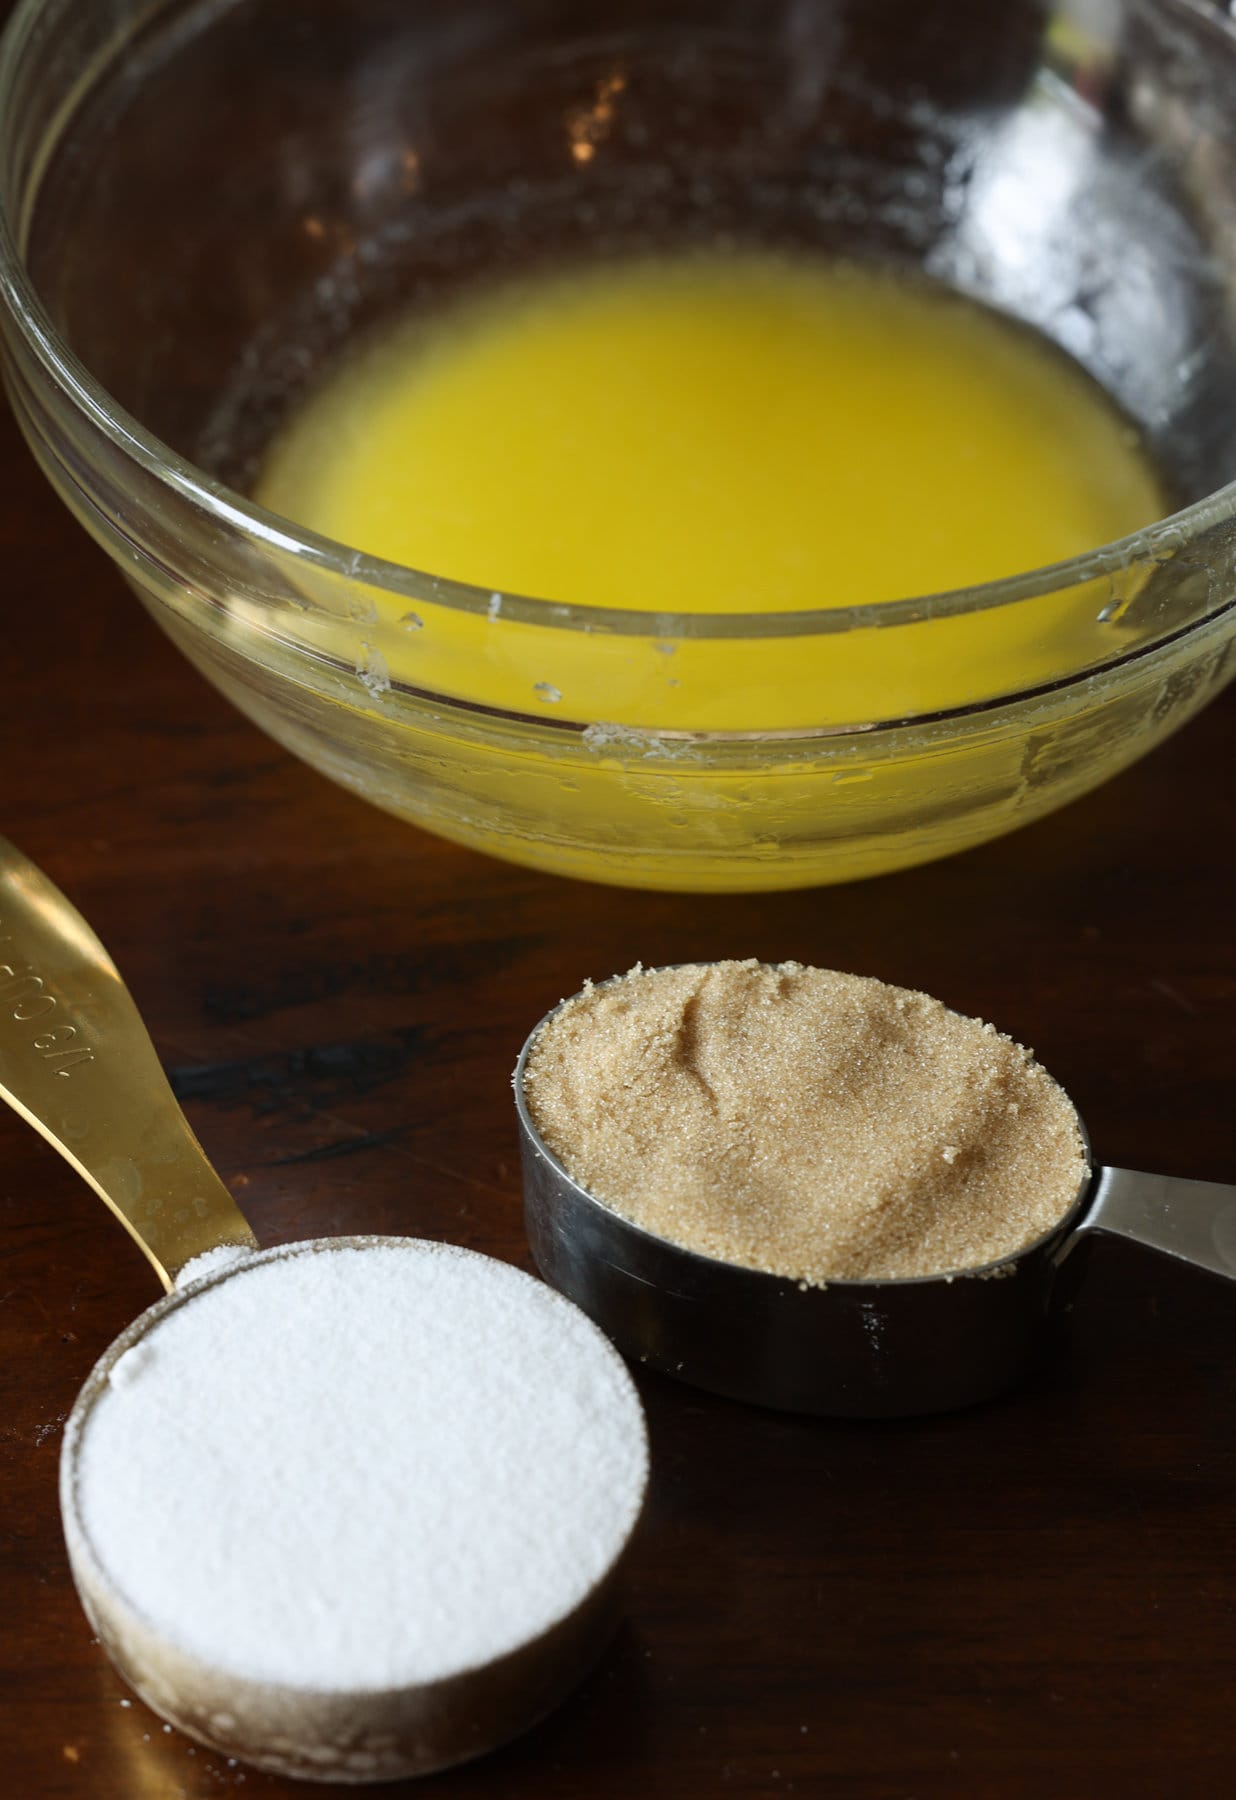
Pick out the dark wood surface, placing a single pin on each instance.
(1035, 1598)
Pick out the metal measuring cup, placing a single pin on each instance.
(76, 1062)
(851, 1349)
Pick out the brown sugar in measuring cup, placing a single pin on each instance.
(805, 1122)
(902, 1259)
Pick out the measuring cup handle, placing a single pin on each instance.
(1192, 1220)
(76, 1063)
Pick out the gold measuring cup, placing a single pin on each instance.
(77, 1064)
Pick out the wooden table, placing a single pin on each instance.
(1034, 1598)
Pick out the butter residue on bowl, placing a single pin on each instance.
(817, 1125)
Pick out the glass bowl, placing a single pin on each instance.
(203, 200)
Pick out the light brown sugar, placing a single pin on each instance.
(817, 1125)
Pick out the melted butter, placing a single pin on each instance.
(716, 433)
(720, 434)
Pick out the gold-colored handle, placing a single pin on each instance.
(77, 1063)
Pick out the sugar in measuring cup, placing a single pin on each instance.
(836, 1345)
(349, 1509)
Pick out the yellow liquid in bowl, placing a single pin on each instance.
(742, 433)
(738, 433)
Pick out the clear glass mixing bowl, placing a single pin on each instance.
(203, 199)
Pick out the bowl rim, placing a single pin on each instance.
(1154, 543)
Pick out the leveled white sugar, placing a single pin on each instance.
(210, 1262)
(362, 1467)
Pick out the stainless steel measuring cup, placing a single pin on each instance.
(77, 1064)
(852, 1349)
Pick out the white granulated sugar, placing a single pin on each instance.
(210, 1262)
(362, 1467)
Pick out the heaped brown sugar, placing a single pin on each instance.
(816, 1125)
